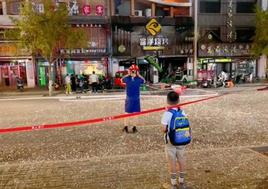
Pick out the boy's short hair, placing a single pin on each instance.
(173, 98)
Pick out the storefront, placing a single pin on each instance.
(157, 38)
(15, 64)
(92, 58)
(80, 61)
(77, 67)
(84, 67)
(233, 59)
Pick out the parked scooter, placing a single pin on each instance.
(20, 84)
(207, 83)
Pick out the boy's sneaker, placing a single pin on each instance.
(125, 129)
(134, 129)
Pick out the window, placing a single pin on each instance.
(245, 34)
(246, 6)
(13, 7)
(1, 8)
(210, 6)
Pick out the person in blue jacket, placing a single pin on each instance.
(133, 81)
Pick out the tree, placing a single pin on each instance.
(45, 33)
(260, 44)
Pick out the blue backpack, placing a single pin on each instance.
(179, 130)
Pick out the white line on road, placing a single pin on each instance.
(103, 97)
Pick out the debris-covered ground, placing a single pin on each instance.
(101, 156)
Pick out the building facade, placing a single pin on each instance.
(226, 32)
(93, 17)
(90, 15)
(14, 62)
(122, 32)
(170, 43)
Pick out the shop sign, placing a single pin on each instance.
(86, 10)
(154, 43)
(73, 8)
(153, 27)
(224, 49)
(99, 10)
(8, 49)
(219, 60)
(83, 51)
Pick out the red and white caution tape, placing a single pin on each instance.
(97, 120)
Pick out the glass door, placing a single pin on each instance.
(42, 76)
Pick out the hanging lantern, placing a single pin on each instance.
(99, 10)
(86, 10)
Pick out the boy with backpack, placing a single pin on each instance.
(176, 128)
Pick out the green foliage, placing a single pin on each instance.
(45, 33)
(260, 45)
(153, 61)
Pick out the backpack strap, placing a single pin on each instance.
(173, 114)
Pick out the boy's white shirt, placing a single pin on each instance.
(93, 78)
(166, 118)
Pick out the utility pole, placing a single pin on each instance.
(195, 39)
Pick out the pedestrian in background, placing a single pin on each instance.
(94, 79)
(73, 82)
(68, 88)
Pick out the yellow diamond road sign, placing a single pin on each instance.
(153, 27)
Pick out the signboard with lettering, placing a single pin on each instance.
(153, 27)
(86, 51)
(226, 50)
(86, 10)
(154, 41)
(10, 49)
(91, 8)
(214, 60)
(99, 10)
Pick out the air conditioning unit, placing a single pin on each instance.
(138, 12)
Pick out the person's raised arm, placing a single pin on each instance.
(128, 74)
(139, 75)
